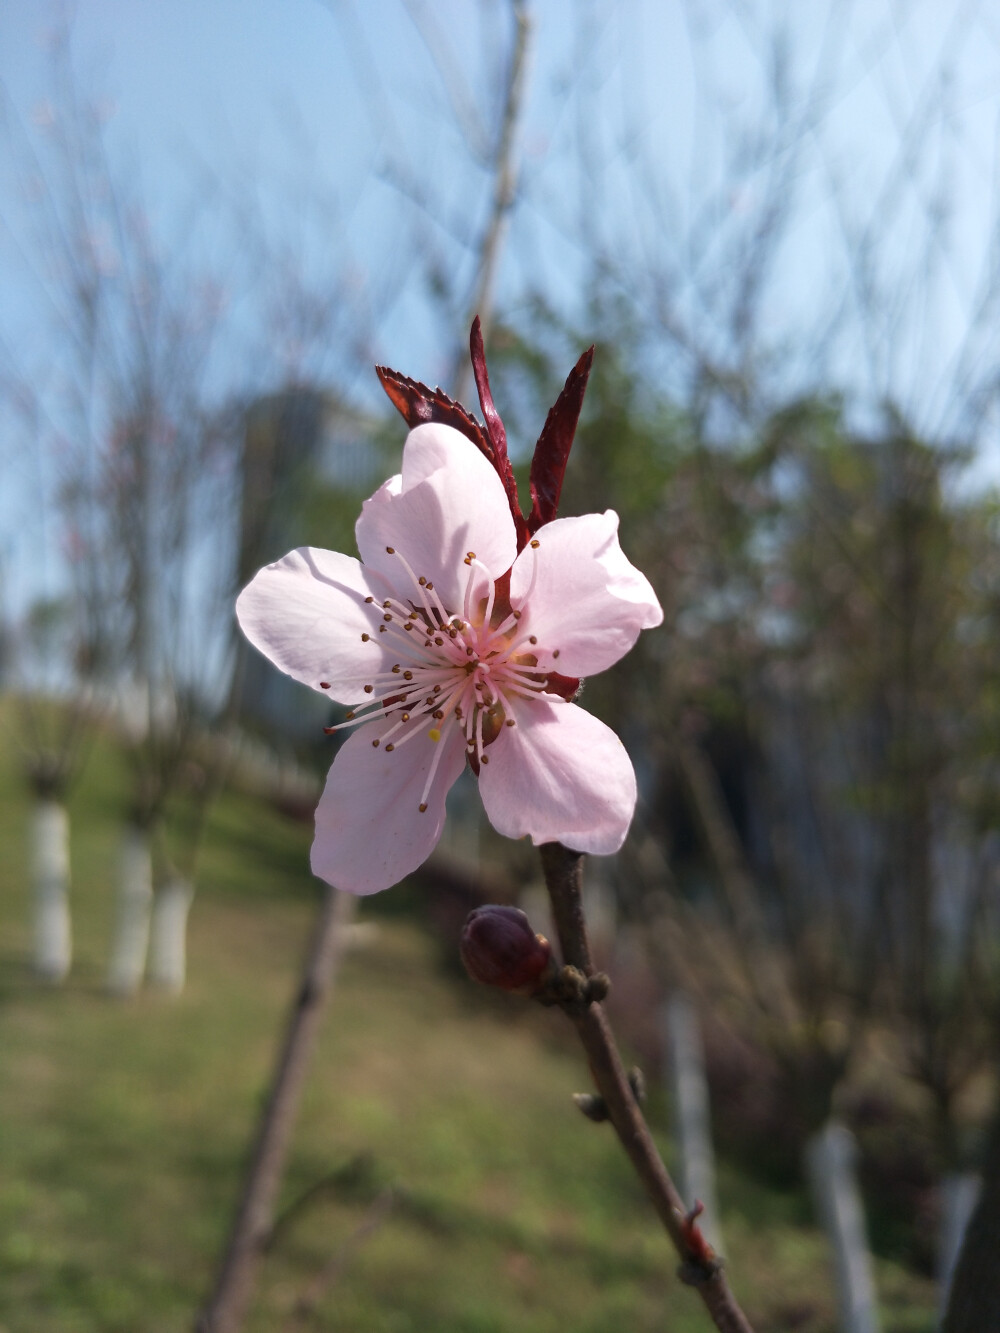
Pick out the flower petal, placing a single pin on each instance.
(307, 613)
(581, 596)
(447, 502)
(559, 775)
(370, 832)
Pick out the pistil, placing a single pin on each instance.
(450, 667)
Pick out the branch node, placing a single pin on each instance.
(572, 989)
(637, 1082)
(695, 1274)
(593, 1107)
(597, 988)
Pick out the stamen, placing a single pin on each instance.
(419, 583)
(479, 734)
(508, 624)
(525, 597)
(475, 565)
(435, 761)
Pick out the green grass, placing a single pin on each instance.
(123, 1126)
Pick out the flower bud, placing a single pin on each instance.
(499, 948)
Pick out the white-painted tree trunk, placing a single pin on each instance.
(830, 1159)
(50, 882)
(168, 935)
(132, 911)
(692, 1123)
(959, 1193)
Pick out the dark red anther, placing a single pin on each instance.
(324, 684)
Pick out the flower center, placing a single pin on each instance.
(453, 669)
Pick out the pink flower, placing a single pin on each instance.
(443, 641)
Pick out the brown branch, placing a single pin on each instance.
(251, 1229)
(504, 190)
(699, 1267)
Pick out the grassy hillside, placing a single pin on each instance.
(459, 1190)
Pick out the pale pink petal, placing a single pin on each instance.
(580, 596)
(431, 447)
(448, 501)
(370, 832)
(307, 613)
(559, 775)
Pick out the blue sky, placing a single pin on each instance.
(336, 125)
(277, 92)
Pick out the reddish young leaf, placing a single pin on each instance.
(417, 404)
(495, 430)
(567, 686)
(699, 1252)
(548, 464)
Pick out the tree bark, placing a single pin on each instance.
(830, 1161)
(168, 935)
(135, 898)
(959, 1194)
(50, 882)
(689, 1100)
(974, 1304)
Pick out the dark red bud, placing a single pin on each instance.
(499, 948)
